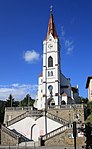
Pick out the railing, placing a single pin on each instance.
(68, 106)
(18, 108)
(58, 119)
(55, 132)
(16, 119)
(24, 115)
(11, 133)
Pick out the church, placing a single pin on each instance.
(53, 87)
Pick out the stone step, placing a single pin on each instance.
(55, 132)
(9, 135)
(24, 115)
(57, 119)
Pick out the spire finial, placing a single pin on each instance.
(51, 9)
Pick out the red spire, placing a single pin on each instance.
(51, 26)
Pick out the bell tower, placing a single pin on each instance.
(51, 65)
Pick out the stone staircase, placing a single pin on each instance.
(47, 138)
(35, 114)
(38, 114)
(7, 134)
(55, 132)
(57, 119)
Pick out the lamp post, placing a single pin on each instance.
(74, 134)
(46, 116)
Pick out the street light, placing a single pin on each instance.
(74, 134)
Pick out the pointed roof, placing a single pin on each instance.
(51, 26)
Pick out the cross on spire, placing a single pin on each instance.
(51, 9)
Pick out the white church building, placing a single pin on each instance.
(53, 87)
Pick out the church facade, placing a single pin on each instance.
(53, 87)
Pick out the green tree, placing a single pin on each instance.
(81, 100)
(88, 125)
(2, 107)
(27, 101)
(10, 101)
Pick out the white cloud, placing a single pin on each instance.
(19, 91)
(68, 44)
(31, 56)
(15, 85)
(62, 31)
(69, 49)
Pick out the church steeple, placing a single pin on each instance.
(51, 26)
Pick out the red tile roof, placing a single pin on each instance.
(51, 27)
(41, 75)
(64, 94)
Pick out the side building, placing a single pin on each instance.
(89, 87)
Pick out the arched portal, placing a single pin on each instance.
(32, 130)
(51, 102)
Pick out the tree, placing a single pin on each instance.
(88, 125)
(81, 100)
(10, 101)
(2, 107)
(27, 101)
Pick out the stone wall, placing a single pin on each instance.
(6, 139)
(68, 114)
(56, 140)
(63, 139)
(13, 112)
(9, 137)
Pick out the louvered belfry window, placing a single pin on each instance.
(50, 62)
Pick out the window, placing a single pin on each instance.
(50, 87)
(51, 73)
(50, 62)
(48, 73)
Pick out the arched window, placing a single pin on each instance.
(51, 73)
(50, 62)
(48, 73)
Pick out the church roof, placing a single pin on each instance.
(51, 26)
(74, 89)
(64, 94)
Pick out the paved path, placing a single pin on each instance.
(43, 147)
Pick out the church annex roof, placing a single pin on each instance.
(51, 26)
(64, 94)
(41, 75)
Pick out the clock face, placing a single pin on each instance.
(50, 46)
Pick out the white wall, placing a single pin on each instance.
(24, 127)
(90, 90)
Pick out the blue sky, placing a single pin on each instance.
(23, 27)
